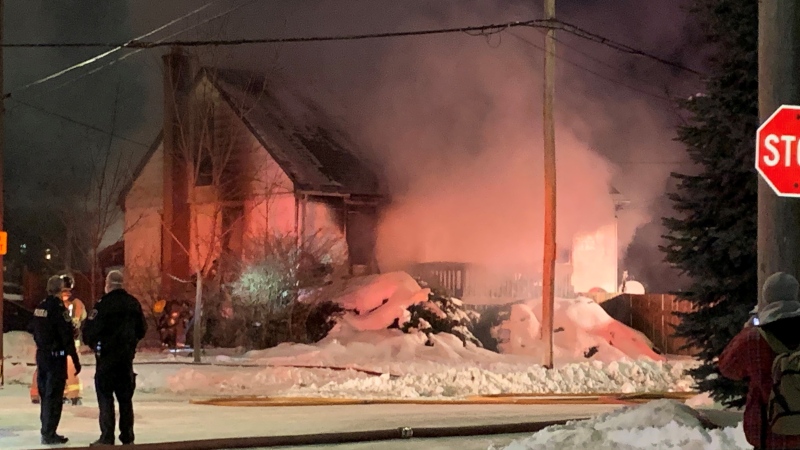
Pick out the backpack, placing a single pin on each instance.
(783, 406)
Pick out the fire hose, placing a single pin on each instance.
(351, 437)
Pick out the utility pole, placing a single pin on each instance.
(2, 143)
(548, 272)
(778, 66)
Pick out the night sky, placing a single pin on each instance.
(618, 111)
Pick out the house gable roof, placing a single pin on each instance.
(306, 144)
(123, 194)
(303, 140)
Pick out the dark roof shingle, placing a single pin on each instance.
(305, 142)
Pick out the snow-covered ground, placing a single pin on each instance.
(165, 418)
(409, 369)
(594, 354)
(661, 424)
(362, 358)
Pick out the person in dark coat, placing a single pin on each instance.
(113, 330)
(53, 333)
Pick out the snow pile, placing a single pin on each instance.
(662, 424)
(588, 377)
(583, 330)
(18, 346)
(18, 373)
(594, 353)
(704, 401)
(382, 350)
(375, 302)
(272, 381)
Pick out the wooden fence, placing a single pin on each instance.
(476, 284)
(652, 314)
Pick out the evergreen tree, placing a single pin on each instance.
(712, 239)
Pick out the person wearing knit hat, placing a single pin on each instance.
(749, 356)
(779, 299)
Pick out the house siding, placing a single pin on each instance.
(142, 233)
(261, 195)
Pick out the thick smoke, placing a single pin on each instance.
(455, 121)
(459, 123)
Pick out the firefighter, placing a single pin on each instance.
(170, 323)
(77, 312)
(113, 330)
(54, 337)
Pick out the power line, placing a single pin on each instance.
(597, 74)
(79, 123)
(113, 50)
(594, 37)
(127, 55)
(599, 61)
(484, 29)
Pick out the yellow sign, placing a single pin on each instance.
(3, 242)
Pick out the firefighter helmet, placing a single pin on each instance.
(69, 283)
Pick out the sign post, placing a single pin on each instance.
(778, 151)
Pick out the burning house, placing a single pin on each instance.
(287, 170)
(589, 265)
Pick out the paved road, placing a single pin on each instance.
(162, 418)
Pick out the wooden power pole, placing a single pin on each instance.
(2, 141)
(778, 84)
(548, 272)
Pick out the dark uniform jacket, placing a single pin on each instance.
(114, 327)
(52, 329)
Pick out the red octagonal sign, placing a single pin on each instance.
(778, 151)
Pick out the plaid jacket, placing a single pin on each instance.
(749, 357)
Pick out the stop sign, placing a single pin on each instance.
(778, 151)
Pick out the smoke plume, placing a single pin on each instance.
(455, 120)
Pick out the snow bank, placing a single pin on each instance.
(594, 353)
(704, 401)
(420, 381)
(583, 331)
(447, 369)
(662, 424)
(388, 350)
(374, 302)
(18, 373)
(18, 346)
(587, 377)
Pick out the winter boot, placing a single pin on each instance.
(56, 439)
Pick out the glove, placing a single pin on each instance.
(77, 364)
